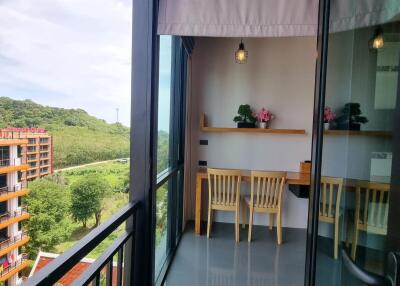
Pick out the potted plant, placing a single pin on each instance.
(351, 118)
(264, 116)
(245, 119)
(329, 116)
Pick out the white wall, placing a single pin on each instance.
(279, 75)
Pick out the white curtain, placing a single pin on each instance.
(267, 18)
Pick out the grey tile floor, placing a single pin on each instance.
(219, 261)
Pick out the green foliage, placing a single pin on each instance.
(161, 212)
(86, 198)
(245, 114)
(49, 206)
(162, 151)
(78, 137)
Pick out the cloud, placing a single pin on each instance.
(70, 53)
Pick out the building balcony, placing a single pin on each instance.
(12, 217)
(44, 155)
(13, 142)
(13, 165)
(13, 242)
(7, 193)
(14, 267)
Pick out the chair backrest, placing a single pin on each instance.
(372, 205)
(224, 186)
(267, 189)
(330, 196)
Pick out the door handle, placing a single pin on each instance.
(372, 279)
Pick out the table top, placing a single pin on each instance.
(293, 178)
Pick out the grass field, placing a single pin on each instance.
(116, 174)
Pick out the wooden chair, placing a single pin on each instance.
(371, 210)
(224, 194)
(266, 197)
(329, 209)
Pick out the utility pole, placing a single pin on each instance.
(117, 109)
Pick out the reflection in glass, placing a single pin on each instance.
(361, 90)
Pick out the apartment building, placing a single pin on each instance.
(13, 185)
(39, 151)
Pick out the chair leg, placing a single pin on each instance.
(244, 206)
(209, 222)
(271, 220)
(354, 245)
(279, 228)
(336, 240)
(250, 222)
(237, 224)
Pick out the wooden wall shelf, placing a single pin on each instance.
(359, 133)
(205, 128)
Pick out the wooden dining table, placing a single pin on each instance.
(293, 178)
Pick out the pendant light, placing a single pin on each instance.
(241, 54)
(377, 41)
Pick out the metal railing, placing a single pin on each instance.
(11, 240)
(4, 162)
(9, 215)
(14, 264)
(15, 162)
(56, 269)
(16, 188)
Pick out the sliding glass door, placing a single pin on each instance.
(170, 150)
(355, 235)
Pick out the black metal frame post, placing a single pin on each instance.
(139, 261)
(317, 140)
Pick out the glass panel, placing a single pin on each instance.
(362, 98)
(66, 87)
(161, 225)
(164, 103)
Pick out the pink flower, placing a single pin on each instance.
(264, 115)
(329, 115)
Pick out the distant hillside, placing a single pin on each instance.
(78, 137)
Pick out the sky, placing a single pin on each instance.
(72, 54)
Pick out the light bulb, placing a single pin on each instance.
(378, 42)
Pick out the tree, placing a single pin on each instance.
(48, 205)
(86, 198)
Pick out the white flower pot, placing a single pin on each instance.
(326, 125)
(263, 125)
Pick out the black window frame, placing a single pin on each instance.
(139, 260)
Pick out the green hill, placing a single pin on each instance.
(79, 138)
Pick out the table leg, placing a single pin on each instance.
(198, 206)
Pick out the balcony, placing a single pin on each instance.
(14, 267)
(55, 270)
(44, 155)
(9, 165)
(31, 150)
(18, 190)
(44, 141)
(13, 242)
(10, 218)
(221, 261)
